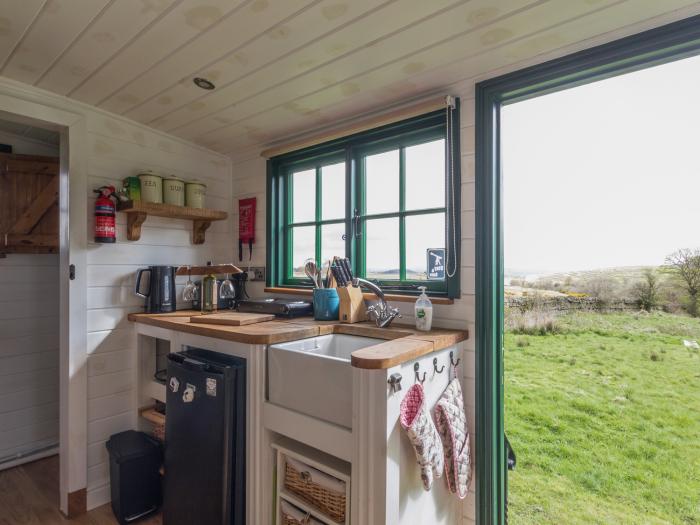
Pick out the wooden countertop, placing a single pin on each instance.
(403, 343)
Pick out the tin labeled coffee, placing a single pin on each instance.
(194, 194)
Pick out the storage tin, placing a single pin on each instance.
(151, 187)
(173, 191)
(132, 185)
(194, 194)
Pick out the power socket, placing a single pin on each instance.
(256, 273)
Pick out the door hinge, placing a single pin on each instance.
(71, 272)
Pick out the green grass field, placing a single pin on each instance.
(604, 417)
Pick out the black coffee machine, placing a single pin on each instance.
(160, 294)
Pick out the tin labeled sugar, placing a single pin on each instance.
(174, 191)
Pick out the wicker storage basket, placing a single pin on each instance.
(288, 520)
(328, 501)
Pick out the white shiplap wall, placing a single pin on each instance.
(117, 148)
(107, 148)
(28, 354)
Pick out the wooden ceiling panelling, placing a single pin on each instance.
(283, 67)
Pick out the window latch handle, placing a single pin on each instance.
(356, 225)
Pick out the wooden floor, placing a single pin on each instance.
(29, 496)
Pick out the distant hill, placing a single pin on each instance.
(604, 282)
(620, 274)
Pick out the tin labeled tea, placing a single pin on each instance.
(151, 187)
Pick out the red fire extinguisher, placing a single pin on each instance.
(105, 212)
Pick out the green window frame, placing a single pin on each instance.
(353, 151)
(316, 164)
(656, 46)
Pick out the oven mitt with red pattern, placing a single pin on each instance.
(416, 421)
(451, 422)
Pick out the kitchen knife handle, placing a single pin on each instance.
(335, 268)
(346, 267)
(346, 275)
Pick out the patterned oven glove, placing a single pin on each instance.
(451, 421)
(416, 421)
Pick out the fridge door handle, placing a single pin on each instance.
(192, 364)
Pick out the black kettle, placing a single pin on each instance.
(160, 297)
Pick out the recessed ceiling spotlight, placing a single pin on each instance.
(204, 83)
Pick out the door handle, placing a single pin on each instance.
(510, 455)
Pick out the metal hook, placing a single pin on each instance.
(452, 362)
(395, 382)
(416, 368)
(435, 367)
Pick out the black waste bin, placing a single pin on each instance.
(134, 464)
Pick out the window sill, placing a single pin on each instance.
(368, 296)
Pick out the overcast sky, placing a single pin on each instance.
(606, 174)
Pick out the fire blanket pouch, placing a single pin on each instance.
(246, 225)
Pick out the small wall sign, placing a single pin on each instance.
(436, 264)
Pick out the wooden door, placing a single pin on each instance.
(28, 204)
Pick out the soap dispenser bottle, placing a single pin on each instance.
(424, 311)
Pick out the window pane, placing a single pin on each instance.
(333, 191)
(304, 196)
(382, 180)
(303, 243)
(422, 232)
(382, 242)
(332, 242)
(425, 176)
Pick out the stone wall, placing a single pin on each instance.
(569, 303)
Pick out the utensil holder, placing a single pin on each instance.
(326, 304)
(352, 305)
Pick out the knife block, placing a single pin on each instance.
(352, 305)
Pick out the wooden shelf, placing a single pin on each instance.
(155, 417)
(138, 211)
(206, 270)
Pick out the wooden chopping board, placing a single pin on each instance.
(231, 318)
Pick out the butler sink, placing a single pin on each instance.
(313, 376)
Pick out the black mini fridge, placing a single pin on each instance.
(205, 443)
